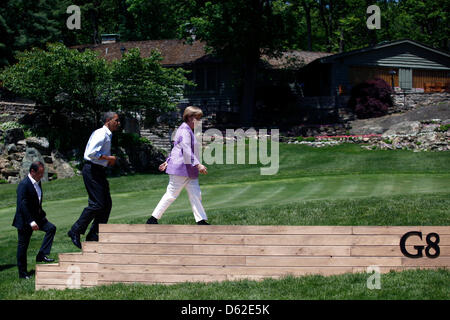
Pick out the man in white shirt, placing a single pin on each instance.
(97, 156)
(31, 217)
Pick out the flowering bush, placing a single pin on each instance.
(371, 98)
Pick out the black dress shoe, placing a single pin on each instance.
(75, 237)
(25, 276)
(203, 222)
(43, 258)
(152, 220)
(92, 237)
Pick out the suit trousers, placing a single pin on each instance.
(24, 236)
(176, 184)
(99, 203)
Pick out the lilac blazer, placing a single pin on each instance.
(182, 159)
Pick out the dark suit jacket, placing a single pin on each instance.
(28, 206)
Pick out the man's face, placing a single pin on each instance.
(37, 175)
(113, 123)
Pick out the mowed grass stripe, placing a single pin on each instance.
(141, 204)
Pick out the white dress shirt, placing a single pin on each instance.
(99, 144)
(38, 191)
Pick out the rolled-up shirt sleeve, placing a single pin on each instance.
(95, 144)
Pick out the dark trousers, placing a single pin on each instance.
(24, 236)
(99, 204)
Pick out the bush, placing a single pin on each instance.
(443, 128)
(371, 98)
(308, 139)
(10, 125)
(128, 140)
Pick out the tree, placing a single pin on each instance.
(142, 85)
(67, 86)
(426, 21)
(242, 31)
(307, 6)
(371, 98)
(71, 86)
(60, 79)
(24, 24)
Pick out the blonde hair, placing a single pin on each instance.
(192, 111)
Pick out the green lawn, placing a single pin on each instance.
(341, 185)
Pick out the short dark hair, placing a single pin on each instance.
(108, 115)
(35, 166)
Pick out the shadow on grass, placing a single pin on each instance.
(6, 266)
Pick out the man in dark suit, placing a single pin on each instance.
(30, 217)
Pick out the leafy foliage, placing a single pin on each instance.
(73, 88)
(142, 85)
(371, 98)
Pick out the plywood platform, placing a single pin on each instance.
(178, 253)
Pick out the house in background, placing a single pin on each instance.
(407, 65)
(301, 86)
(216, 91)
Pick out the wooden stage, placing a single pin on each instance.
(170, 254)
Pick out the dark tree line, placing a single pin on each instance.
(238, 30)
(315, 25)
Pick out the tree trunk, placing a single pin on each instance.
(249, 86)
(341, 42)
(325, 25)
(371, 34)
(307, 9)
(94, 20)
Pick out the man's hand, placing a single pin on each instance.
(163, 166)
(34, 226)
(111, 161)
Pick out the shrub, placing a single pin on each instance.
(443, 128)
(371, 98)
(10, 125)
(309, 139)
(128, 140)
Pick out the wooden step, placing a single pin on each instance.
(189, 253)
(230, 250)
(228, 229)
(279, 240)
(78, 257)
(89, 246)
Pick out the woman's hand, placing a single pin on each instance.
(163, 166)
(202, 169)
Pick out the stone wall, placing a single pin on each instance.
(13, 111)
(329, 107)
(17, 153)
(426, 135)
(409, 101)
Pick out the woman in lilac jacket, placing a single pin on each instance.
(183, 168)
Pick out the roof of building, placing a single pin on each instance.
(178, 52)
(294, 59)
(382, 45)
(174, 52)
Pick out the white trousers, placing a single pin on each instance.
(176, 184)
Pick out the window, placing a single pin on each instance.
(211, 78)
(206, 78)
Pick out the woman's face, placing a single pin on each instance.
(194, 122)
